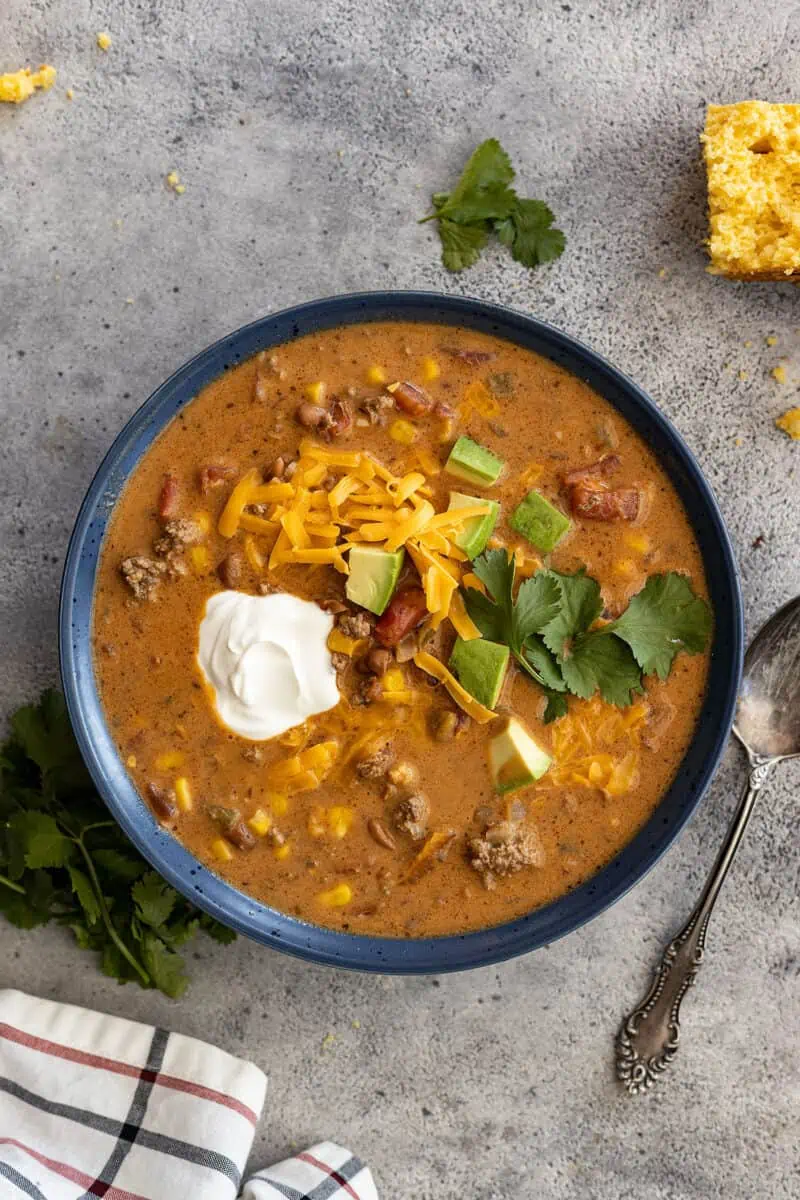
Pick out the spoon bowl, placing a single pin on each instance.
(768, 715)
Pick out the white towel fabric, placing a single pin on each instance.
(98, 1106)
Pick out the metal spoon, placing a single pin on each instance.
(768, 726)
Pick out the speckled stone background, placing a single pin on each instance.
(308, 134)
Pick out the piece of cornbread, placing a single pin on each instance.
(752, 155)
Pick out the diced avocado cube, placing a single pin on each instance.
(515, 759)
(474, 533)
(480, 667)
(373, 576)
(538, 521)
(467, 460)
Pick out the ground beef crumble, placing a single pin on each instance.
(176, 535)
(354, 625)
(376, 766)
(504, 850)
(411, 816)
(142, 575)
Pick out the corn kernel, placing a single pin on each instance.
(198, 557)
(253, 554)
(203, 522)
(430, 369)
(790, 423)
(130, 761)
(260, 823)
(283, 852)
(316, 824)
(779, 373)
(104, 41)
(376, 375)
(169, 760)
(394, 680)
(625, 566)
(403, 432)
(278, 803)
(340, 818)
(336, 897)
(446, 430)
(637, 541)
(315, 392)
(221, 850)
(183, 794)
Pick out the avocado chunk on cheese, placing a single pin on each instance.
(467, 460)
(474, 533)
(373, 576)
(538, 521)
(480, 667)
(514, 758)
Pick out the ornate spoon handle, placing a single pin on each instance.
(648, 1038)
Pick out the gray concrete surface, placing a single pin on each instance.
(309, 135)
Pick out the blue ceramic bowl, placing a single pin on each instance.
(287, 933)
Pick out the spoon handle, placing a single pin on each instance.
(647, 1040)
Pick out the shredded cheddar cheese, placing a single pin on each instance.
(432, 666)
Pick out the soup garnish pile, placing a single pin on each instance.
(401, 628)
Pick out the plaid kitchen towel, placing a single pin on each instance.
(92, 1105)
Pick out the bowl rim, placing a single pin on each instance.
(279, 930)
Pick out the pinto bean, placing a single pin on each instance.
(230, 570)
(162, 802)
(312, 416)
(214, 475)
(380, 834)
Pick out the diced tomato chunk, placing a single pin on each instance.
(214, 476)
(596, 503)
(605, 466)
(405, 612)
(168, 498)
(412, 400)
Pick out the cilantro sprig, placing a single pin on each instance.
(550, 628)
(484, 202)
(63, 859)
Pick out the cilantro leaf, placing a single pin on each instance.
(537, 604)
(462, 244)
(528, 231)
(600, 662)
(556, 707)
(483, 190)
(41, 841)
(165, 968)
(581, 604)
(63, 859)
(154, 899)
(663, 618)
(496, 570)
(488, 616)
(220, 933)
(85, 893)
(544, 663)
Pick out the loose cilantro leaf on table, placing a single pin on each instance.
(550, 626)
(63, 859)
(482, 201)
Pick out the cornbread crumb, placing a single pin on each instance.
(738, 442)
(173, 181)
(69, 94)
(747, 344)
(771, 340)
(779, 373)
(17, 86)
(752, 156)
(662, 274)
(743, 376)
(104, 41)
(790, 423)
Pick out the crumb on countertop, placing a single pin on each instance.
(17, 86)
(790, 423)
(743, 376)
(104, 41)
(771, 340)
(173, 181)
(779, 373)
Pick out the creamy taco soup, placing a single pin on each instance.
(401, 629)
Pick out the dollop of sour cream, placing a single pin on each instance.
(267, 661)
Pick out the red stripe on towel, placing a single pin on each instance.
(56, 1050)
(340, 1179)
(71, 1173)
